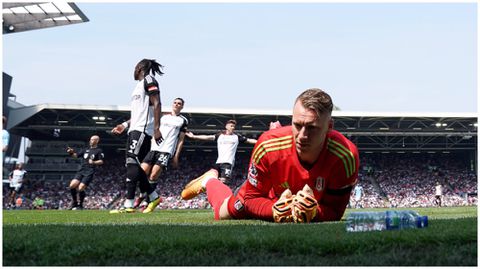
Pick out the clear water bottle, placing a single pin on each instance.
(385, 220)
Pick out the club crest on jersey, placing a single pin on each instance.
(252, 175)
(319, 184)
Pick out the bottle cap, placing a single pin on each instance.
(422, 221)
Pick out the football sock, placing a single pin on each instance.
(132, 179)
(142, 180)
(74, 196)
(81, 195)
(153, 184)
(128, 203)
(217, 192)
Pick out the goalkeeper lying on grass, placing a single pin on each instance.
(299, 173)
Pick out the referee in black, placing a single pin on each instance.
(91, 158)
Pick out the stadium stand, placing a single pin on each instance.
(394, 180)
(400, 180)
(49, 160)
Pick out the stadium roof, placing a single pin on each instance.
(25, 16)
(370, 131)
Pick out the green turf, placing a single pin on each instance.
(191, 237)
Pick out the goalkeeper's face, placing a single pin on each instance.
(309, 131)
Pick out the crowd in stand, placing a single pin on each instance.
(392, 180)
(410, 182)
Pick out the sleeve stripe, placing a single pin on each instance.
(344, 154)
(345, 151)
(258, 158)
(270, 143)
(152, 88)
(347, 170)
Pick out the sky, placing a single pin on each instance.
(370, 57)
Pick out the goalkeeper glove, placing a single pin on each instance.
(304, 207)
(282, 209)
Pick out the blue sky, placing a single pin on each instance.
(378, 57)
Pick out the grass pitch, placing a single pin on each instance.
(193, 238)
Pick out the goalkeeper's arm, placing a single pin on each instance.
(330, 208)
(333, 204)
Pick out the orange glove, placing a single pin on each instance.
(282, 209)
(304, 207)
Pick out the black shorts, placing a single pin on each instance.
(138, 146)
(84, 177)
(157, 157)
(224, 170)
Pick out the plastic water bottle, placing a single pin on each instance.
(385, 220)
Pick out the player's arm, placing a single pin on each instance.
(244, 139)
(258, 204)
(200, 137)
(178, 150)
(157, 113)
(72, 152)
(333, 204)
(99, 161)
(26, 178)
(153, 90)
(120, 128)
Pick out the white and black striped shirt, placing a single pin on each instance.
(141, 111)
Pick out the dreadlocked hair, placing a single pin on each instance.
(150, 66)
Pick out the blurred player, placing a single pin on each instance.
(438, 194)
(16, 178)
(358, 193)
(144, 123)
(173, 127)
(299, 173)
(91, 158)
(227, 143)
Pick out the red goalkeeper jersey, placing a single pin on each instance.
(274, 167)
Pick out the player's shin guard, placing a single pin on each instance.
(217, 192)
